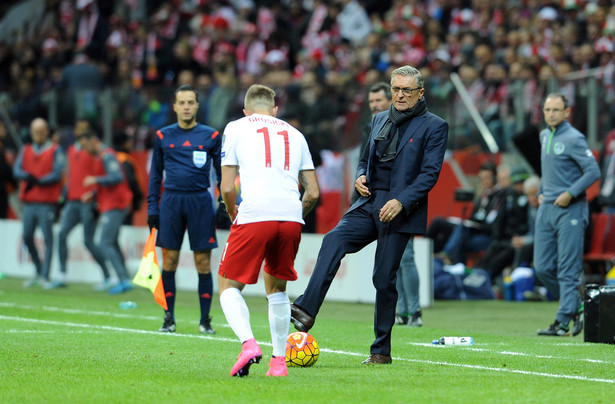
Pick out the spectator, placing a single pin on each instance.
(7, 180)
(354, 24)
(27, 107)
(607, 187)
(512, 222)
(82, 81)
(475, 234)
(495, 109)
(92, 29)
(222, 97)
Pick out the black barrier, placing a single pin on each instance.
(599, 313)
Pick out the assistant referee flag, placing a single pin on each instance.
(148, 274)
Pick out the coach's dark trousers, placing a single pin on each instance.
(355, 230)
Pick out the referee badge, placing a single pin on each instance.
(199, 158)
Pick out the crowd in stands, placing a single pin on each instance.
(319, 55)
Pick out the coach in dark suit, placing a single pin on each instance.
(396, 172)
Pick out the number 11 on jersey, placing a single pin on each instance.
(265, 132)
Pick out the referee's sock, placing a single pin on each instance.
(168, 283)
(206, 289)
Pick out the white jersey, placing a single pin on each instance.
(269, 153)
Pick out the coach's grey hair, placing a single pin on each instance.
(560, 96)
(409, 71)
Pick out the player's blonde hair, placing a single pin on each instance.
(259, 98)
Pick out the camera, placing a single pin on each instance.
(464, 195)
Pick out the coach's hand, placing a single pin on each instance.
(153, 221)
(361, 187)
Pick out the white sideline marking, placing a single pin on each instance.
(519, 353)
(100, 313)
(463, 365)
(119, 329)
(178, 335)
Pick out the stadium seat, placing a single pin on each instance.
(602, 248)
(609, 242)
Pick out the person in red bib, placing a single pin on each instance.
(113, 197)
(39, 169)
(80, 164)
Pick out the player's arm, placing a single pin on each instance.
(590, 169)
(59, 162)
(216, 157)
(228, 190)
(113, 172)
(155, 178)
(307, 178)
(18, 171)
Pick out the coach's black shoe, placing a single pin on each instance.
(378, 359)
(205, 327)
(556, 329)
(300, 318)
(169, 323)
(578, 322)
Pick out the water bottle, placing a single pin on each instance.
(454, 341)
(128, 305)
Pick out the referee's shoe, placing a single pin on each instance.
(205, 326)
(169, 323)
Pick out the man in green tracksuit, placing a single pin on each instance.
(568, 169)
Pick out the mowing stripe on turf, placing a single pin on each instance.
(430, 362)
(75, 311)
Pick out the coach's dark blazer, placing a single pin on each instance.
(415, 169)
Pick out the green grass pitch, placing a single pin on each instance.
(73, 345)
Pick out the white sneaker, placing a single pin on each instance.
(29, 283)
(103, 286)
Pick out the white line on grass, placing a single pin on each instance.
(88, 312)
(178, 335)
(119, 329)
(478, 367)
(518, 353)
